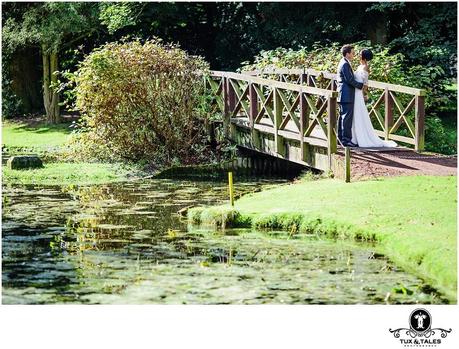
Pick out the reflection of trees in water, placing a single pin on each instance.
(90, 198)
(154, 208)
(99, 267)
(112, 243)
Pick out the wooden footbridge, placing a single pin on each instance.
(292, 114)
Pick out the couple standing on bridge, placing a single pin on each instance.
(354, 124)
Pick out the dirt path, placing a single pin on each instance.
(370, 163)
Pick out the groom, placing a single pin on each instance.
(346, 89)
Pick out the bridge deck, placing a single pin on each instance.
(370, 162)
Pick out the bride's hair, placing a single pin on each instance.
(366, 54)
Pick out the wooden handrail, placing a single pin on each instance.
(389, 127)
(274, 83)
(371, 83)
(242, 96)
(239, 92)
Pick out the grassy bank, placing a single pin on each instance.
(413, 218)
(35, 136)
(67, 173)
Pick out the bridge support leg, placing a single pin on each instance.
(419, 123)
(331, 110)
(226, 108)
(347, 166)
(230, 102)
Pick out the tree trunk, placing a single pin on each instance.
(24, 69)
(50, 96)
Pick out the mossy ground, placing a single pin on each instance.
(413, 218)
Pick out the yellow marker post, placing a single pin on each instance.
(231, 189)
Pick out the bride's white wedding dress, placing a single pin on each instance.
(363, 132)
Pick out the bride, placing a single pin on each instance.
(363, 132)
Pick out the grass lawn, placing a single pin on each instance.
(38, 137)
(413, 218)
(34, 137)
(61, 173)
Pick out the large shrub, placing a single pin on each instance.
(141, 101)
(385, 67)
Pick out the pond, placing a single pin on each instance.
(125, 243)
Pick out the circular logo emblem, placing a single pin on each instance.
(420, 320)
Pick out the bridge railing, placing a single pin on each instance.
(269, 106)
(397, 111)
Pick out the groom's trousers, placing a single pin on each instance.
(346, 114)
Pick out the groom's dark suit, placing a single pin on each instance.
(346, 90)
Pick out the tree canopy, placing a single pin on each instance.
(228, 33)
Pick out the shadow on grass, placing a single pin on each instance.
(43, 127)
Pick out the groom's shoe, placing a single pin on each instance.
(350, 144)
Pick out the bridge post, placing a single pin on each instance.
(419, 123)
(253, 112)
(304, 119)
(231, 96)
(389, 113)
(331, 137)
(231, 104)
(278, 140)
(332, 85)
(226, 109)
(347, 164)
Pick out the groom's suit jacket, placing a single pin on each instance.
(346, 82)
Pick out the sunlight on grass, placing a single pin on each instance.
(413, 218)
(37, 137)
(66, 173)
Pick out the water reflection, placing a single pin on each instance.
(125, 243)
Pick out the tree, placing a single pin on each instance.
(54, 26)
(228, 33)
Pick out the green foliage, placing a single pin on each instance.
(285, 221)
(141, 101)
(49, 24)
(116, 15)
(385, 66)
(440, 137)
(227, 33)
(432, 41)
(11, 104)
